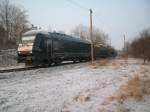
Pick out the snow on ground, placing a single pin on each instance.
(13, 67)
(77, 87)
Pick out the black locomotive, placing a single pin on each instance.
(54, 47)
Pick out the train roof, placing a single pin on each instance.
(67, 37)
(55, 35)
(34, 32)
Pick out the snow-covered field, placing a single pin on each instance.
(80, 87)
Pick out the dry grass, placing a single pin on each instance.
(82, 98)
(143, 70)
(99, 63)
(92, 65)
(102, 109)
(116, 65)
(65, 110)
(107, 63)
(118, 108)
(125, 57)
(103, 62)
(135, 88)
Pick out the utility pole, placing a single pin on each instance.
(110, 41)
(124, 37)
(91, 36)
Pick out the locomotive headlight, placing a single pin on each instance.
(19, 52)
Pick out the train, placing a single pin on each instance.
(46, 48)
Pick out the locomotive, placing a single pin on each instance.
(45, 48)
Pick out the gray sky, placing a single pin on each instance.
(114, 17)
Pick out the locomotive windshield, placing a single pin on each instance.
(28, 39)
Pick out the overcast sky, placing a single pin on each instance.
(114, 17)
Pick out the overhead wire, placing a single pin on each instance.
(87, 9)
(101, 21)
(78, 5)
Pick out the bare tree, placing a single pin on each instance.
(4, 12)
(2, 34)
(140, 47)
(99, 37)
(13, 19)
(82, 31)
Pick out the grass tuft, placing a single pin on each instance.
(135, 88)
(82, 98)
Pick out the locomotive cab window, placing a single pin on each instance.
(42, 43)
(48, 44)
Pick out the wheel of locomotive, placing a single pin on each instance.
(80, 60)
(87, 59)
(46, 63)
(57, 61)
(74, 60)
(19, 60)
(50, 63)
(27, 63)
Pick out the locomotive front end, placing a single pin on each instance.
(25, 48)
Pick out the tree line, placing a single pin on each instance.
(13, 22)
(83, 32)
(140, 47)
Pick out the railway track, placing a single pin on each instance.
(33, 67)
(19, 69)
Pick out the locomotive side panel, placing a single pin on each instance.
(54, 48)
(67, 48)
